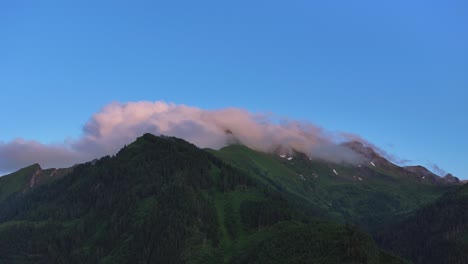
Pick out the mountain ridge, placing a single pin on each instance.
(233, 205)
(164, 200)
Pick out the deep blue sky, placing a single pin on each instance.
(395, 72)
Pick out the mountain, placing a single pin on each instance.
(418, 172)
(450, 179)
(163, 200)
(28, 178)
(370, 194)
(427, 175)
(436, 233)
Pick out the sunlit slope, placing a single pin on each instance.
(368, 194)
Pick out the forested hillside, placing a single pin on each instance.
(370, 195)
(163, 200)
(437, 233)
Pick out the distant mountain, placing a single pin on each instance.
(419, 172)
(163, 200)
(427, 175)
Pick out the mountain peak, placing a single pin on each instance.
(426, 174)
(449, 178)
(419, 170)
(360, 148)
(35, 166)
(149, 138)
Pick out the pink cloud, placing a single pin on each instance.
(118, 124)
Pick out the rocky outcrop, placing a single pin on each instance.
(419, 172)
(450, 179)
(35, 176)
(425, 174)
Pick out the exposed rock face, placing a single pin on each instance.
(374, 158)
(40, 175)
(419, 172)
(35, 176)
(424, 174)
(450, 179)
(427, 175)
(367, 152)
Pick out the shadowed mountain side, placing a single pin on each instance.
(436, 233)
(27, 178)
(161, 199)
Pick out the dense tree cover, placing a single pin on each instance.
(368, 196)
(257, 214)
(437, 233)
(315, 242)
(139, 206)
(163, 200)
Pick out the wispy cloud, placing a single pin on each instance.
(437, 170)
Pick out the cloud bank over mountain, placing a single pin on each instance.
(118, 124)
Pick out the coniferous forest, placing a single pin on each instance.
(163, 200)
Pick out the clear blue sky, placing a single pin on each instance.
(395, 72)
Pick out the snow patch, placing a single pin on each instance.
(290, 158)
(372, 163)
(302, 177)
(283, 156)
(335, 172)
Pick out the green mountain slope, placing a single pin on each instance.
(27, 178)
(369, 195)
(436, 233)
(163, 200)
